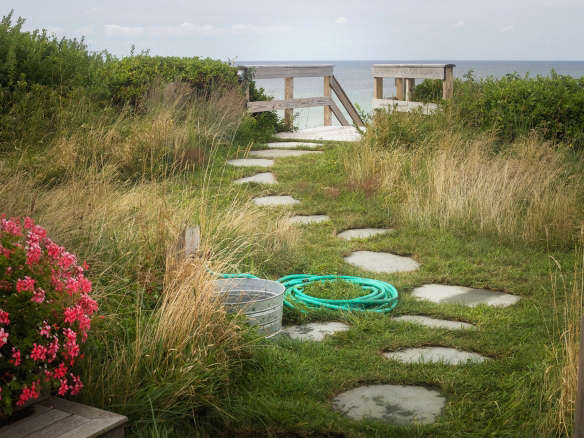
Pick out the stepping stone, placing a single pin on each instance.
(440, 293)
(314, 331)
(293, 144)
(450, 356)
(281, 153)
(363, 233)
(251, 162)
(381, 262)
(275, 200)
(434, 323)
(315, 219)
(395, 404)
(260, 178)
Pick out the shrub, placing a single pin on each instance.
(44, 306)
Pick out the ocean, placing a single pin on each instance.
(355, 78)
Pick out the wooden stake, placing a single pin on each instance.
(328, 121)
(400, 89)
(448, 84)
(410, 88)
(378, 88)
(289, 94)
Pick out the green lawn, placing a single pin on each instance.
(287, 386)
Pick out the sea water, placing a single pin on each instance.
(355, 78)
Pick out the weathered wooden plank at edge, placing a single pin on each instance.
(289, 71)
(420, 71)
(273, 105)
(338, 114)
(403, 105)
(328, 120)
(189, 242)
(344, 99)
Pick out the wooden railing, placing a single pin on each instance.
(288, 73)
(405, 83)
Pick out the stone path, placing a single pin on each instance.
(381, 262)
(281, 153)
(363, 233)
(251, 162)
(396, 404)
(439, 293)
(314, 331)
(314, 219)
(259, 178)
(450, 356)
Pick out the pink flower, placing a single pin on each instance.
(72, 314)
(72, 286)
(63, 388)
(84, 283)
(77, 385)
(33, 254)
(3, 337)
(53, 349)
(67, 259)
(4, 317)
(25, 285)
(60, 371)
(16, 357)
(39, 352)
(45, 330)
(28, 223)
(11, 226)
(70, 334)
(88, 304)
(54, 250)
(39, 296)
(28, 393)
(39, 231)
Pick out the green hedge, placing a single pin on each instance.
(514, 105)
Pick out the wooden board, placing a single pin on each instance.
(344, 99)
(289, 94)
(58, 418)
(421, 71)
(273, 105)
(338, 114)
(403, 105)
(289, 71)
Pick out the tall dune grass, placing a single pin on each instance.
(530, 190)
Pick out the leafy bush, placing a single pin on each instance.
(44, 306)
(429, 90)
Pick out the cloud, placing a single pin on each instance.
(341, 20)
(86, 30)
(458, 24)
(507, 29)
(117, 30)
(185, 29)
(241, 29)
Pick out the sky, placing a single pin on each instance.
(319, 29)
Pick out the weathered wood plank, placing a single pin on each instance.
(339, 114)
(403, 105)
(400, 89)
(328, 119)
(289, 94)
(41, 418)
(346, 102)
(273, 105)
(289, 71)
(448, 84)
(59, 428)
(378, 88)
(188, 242)
(421, 71)
(410, 88)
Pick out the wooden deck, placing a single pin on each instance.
(326, 133)
(59, 418)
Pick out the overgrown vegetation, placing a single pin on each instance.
(513, 106)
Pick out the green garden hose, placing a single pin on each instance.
(381, 297)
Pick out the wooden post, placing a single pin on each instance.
(378, 88)
(410, 88)
(448, 83)
(400, 89)
(328, 120)
(579, 414)
(289, 94)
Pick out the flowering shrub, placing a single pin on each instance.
(45, 314)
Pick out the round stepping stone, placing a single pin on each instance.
(281, 153)
(275, 200)
(314, 331)
(251, 162)
(440, 293)
(381, 262)
(396, 404)
(293, 144)
(363, 233)
(450, 356)
(260, 178)
(304, 220)
(434, 323)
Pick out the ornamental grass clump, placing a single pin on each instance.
(45, 314)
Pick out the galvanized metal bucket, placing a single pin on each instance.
(260, 300)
